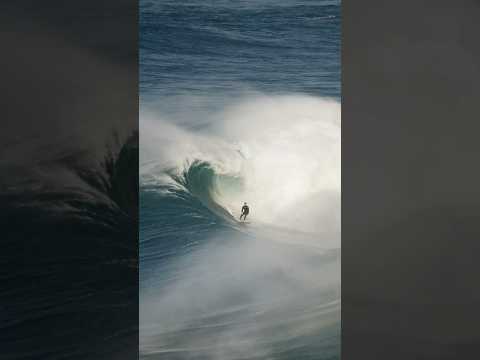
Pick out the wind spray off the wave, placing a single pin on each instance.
(222, 291)
(281, 154)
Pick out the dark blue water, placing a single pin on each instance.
(223, 47)
(212, 288)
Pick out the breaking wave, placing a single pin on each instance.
(279, 154)
(213, 287)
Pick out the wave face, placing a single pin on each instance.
(216, 288)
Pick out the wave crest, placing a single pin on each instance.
(280, 154)
(201, 180)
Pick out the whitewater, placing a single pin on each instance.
(214, 287)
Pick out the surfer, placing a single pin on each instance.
(245, 211)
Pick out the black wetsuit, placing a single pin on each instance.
(245, 211)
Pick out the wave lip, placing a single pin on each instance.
(201, 179)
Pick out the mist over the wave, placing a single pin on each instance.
(284, 151)
(241, 297)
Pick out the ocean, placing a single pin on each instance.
(240, 102)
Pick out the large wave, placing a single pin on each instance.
(280, 154)
(212, 288)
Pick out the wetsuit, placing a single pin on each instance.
(245, 211)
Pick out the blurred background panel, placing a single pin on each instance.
(69, 180)
(410, 199)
